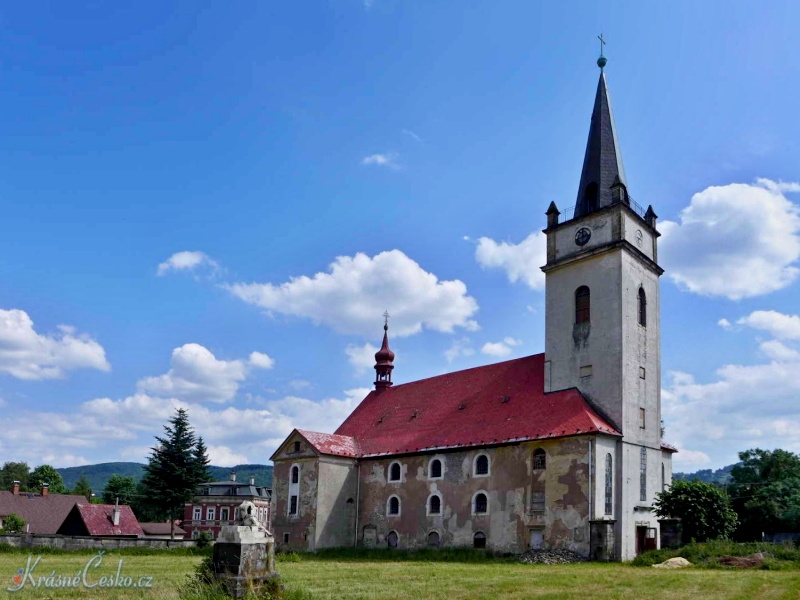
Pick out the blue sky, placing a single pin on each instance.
(211, 207)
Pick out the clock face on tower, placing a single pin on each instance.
(582, 236)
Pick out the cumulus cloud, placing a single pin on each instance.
(352, 295)
(362, 358)
(746, 405)
(503, 348)
(222, 456)
(188, 260)
(26, 354)
(521, 262)
(779, 325)
(459, 348)
(735, 241)
(197, 375)
(388, 159)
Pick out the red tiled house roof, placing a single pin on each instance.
(161, 529)
(43, 514)
(494, 404)
(97, 520)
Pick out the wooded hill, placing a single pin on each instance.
(99, 474)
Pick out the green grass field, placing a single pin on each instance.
(331, 578)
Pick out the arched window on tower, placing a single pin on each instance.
(642, 308)
(609, 484)
(582, 304)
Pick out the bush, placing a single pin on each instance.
(777, 556)
(203, 539)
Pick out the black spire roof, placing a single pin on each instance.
(602, 163)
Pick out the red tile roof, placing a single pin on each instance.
(161, 529)
(43, 514)
(329, 443)
(498, 403)
(98, 520)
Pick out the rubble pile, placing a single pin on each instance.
(555, 556)
(673, 563)
(743, 562)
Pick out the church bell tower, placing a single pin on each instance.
(602, 324)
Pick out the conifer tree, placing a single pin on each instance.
(83, 487)
(175, 468)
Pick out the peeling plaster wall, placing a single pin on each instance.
(509, 485)
(300, 527)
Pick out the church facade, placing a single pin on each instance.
(556, 450)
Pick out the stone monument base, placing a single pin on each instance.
(244, 560)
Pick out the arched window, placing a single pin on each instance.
(294, 490)
(480, 504)
(642, 308)
(481, 465)
(433, 539)
(663, 478)
(582, 304)
(435, 505)
(393, 507)
(295, 474)
(479, 540)
(394, 471)
(643, 475)
(539, 460)
(435, 469)
(609, 484)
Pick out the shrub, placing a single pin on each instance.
(203, 539)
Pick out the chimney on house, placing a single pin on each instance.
(45, 489)
(233, 475)
(115, 513)
(15, 488)
(252, 480)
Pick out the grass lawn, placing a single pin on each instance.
(328, 578)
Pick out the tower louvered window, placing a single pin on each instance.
(642, 308)
(643, 475)
(609, 484)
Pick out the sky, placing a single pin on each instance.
(210, 206)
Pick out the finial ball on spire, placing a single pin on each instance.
(601, 62)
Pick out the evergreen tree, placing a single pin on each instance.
(119, 487)
(201, 461)
(83, 487)
(174, 470)
(47, 474)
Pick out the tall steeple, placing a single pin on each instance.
(602, 163)
(384, 359)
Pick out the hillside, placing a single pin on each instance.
(100, 473)
(722, 475)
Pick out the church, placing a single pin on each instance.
(557, 450)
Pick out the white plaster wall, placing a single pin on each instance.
(646, 243)
(335, 522)
(600, 225)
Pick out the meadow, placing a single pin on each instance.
(332, 577)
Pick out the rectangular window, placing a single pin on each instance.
(586, 371)
(643, 475)
(285, 538)
(293, 505)
(641, 418)
(223, 514)
(537, 503)
(641, 373)
(210, 512)
(196, 513)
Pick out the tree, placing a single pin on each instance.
(175, 468)
(119, 487)
(83, 487)
(14, 471)
(47, 474)
(704, 509)
(13, 524)
(765, 488)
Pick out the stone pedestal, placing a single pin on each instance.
(601, 544)
(244, 559)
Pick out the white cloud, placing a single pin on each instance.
(736, 241)
(520, 261)
(261, 360)
(188, 260)
(724, 323)
(510, 341)
(299, 384)
(356, 290)
(690, 458)
(222, 456)
(412, 135)
(459, 348)
(362, 358)
(779, 351)
(503, 348)
(197, 375)
(388, 159)
(781, 326)
(26, 354)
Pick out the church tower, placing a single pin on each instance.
(602, 324)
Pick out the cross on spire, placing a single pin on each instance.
(601, 62)
(386, 316)
(602, 43)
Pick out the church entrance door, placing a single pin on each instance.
(641, 539)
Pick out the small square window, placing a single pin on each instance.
(641, 373)
(297, 447)
(586, 371)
